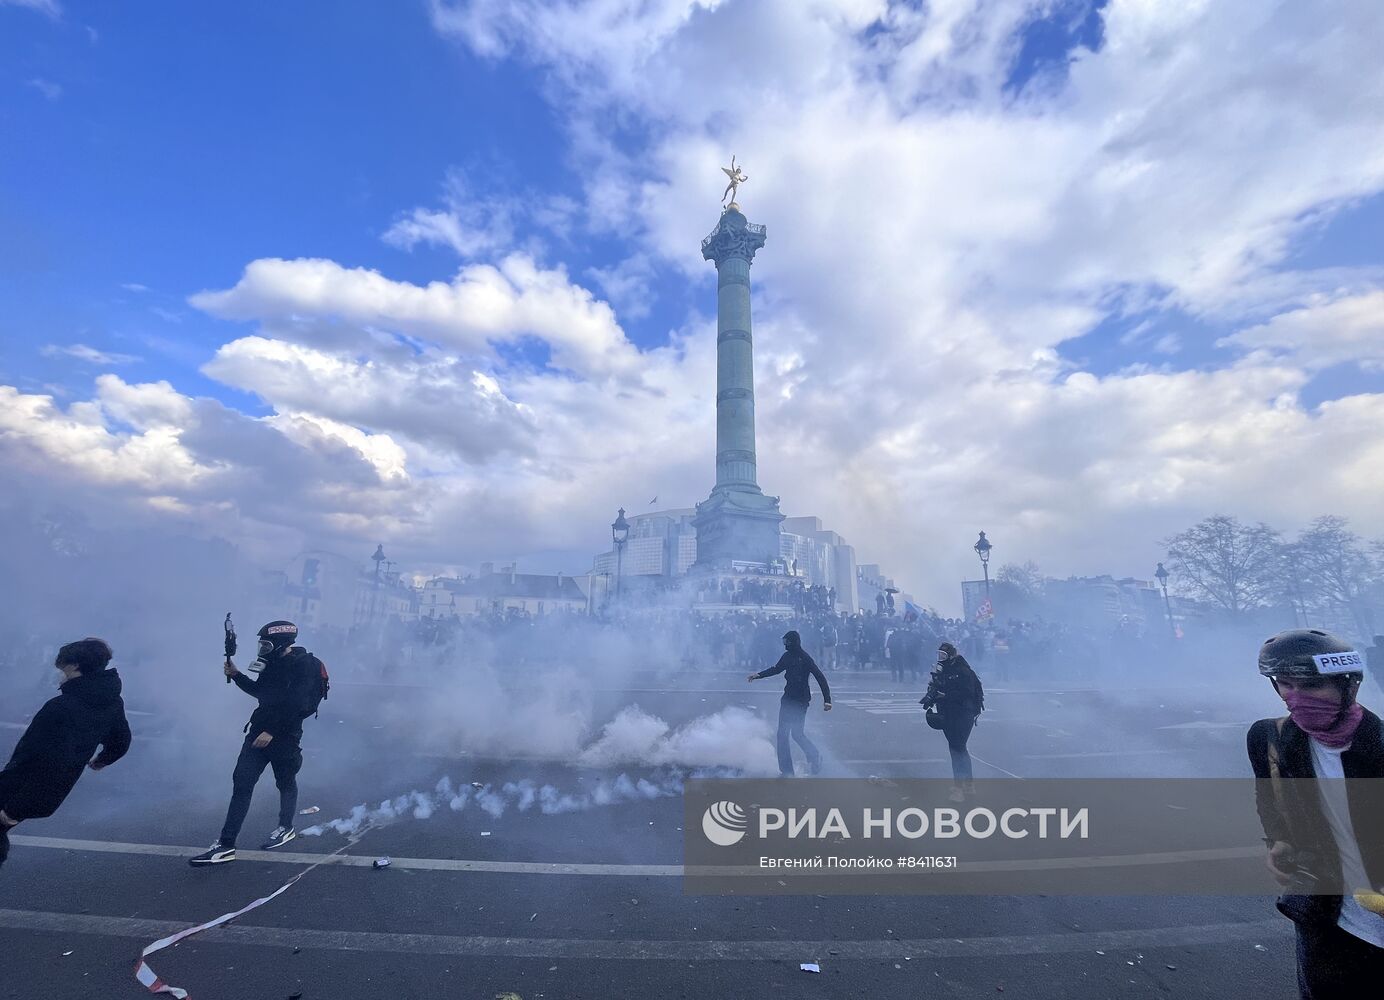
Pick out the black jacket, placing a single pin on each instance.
(63, 737)
(955, 690)
(284, 691)
(1290, 810)
(796, 666)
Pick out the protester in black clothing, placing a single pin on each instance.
(955, 693)
(1325, 829)
(1374, 660)
(291, 683)
(796, 666)
(62, 739)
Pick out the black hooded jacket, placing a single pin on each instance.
(284, 692)
(63, 737)
(797, 666)
(955, 690)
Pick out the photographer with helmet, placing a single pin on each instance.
(1325, 833)
(291, 684)
(954, 700)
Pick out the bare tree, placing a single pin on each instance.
(1338, 572)
(1237, 567)
(1027, 578)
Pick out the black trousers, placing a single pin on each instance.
(284, 756)
(1332, 963)
(792, 717)
(958, 731)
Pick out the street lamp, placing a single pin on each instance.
(1162, 574)
(619, 534)
(983, 547)
(375, 591)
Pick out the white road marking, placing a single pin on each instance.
(356, 861)
(1143, 939)
(1102, 753)
(622, 870)
(996, 766)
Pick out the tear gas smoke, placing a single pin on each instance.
(731, 743)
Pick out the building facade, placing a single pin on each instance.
(491, 592)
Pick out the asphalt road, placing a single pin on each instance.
(590, 903)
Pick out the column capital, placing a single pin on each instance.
(734, 236)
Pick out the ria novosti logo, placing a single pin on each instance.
(724, 823)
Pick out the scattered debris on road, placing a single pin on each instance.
(309, 810)
(381, 863)
(814, 967)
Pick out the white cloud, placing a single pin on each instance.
(50, 7)
(482, 306)
(1325, 332)
(433, 400)
(52, 91)
(91, 355)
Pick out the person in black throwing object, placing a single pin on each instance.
(796, 666)
(61, 742)
(291, 684)
(958, 697)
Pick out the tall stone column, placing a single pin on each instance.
(732, 247)
(737, 522)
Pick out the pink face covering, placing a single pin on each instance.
(1322, 719)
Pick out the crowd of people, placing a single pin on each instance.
(740, 635)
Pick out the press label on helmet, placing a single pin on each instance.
(1349, 662)
(275, 629)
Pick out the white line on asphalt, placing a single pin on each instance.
(624, 870)
(894, 760)
(1102, 753)
(355, 861)
(996, 767)
(1192, 936)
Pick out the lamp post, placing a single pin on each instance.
(983, 547)
(375, 590)
(619, 534)
(1162, 574)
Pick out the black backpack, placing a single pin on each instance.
(315, 686)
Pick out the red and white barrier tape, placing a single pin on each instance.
(150, 979)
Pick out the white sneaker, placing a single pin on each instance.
(281, 835)
(218, 855)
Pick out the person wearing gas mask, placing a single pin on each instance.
(291, 683)
(796, 666)
(61, 741)
(954, 700)
(1325, 834)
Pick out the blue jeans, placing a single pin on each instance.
(792, 717)
(958, 731)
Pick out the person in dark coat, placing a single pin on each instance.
(797, 667)
(1324, 830)
(287, 691)
(61, 741)
(956, 694)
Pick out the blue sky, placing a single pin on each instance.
(1028, 211)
